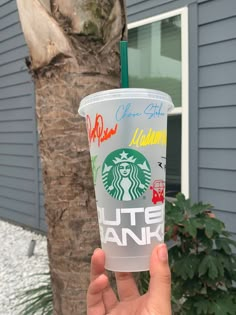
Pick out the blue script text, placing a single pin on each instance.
(126, 111)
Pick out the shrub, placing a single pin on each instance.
(201, 259)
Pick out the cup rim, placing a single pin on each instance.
(136, 93)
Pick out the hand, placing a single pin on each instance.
(101, 299)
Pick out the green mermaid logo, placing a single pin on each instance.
(126, 174)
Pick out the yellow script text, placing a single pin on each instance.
(140, 139)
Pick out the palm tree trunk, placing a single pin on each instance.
(74, 51)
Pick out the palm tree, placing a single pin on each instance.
(74, 51)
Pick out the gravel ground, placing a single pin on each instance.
(16, 268)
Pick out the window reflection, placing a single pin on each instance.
(155, 57)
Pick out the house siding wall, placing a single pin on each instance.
(19, 187)
(217, 108)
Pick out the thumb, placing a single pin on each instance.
(160, 281)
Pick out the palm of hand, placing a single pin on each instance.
(136, 306)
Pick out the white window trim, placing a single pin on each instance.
(184, 109)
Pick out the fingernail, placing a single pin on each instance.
(163, 253)
(96, 250)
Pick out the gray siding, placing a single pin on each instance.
(19, 186)
(140, 9)
(217, 107)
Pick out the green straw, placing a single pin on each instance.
(124, 64)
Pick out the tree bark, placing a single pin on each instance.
(74, 51)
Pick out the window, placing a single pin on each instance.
(158, 59)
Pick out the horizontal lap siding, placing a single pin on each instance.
(10, 32)
(7, 9)
(219, 179)
(18, 189)
(17, 53)
(220, 74)
(217, 108)
(10, 43)
(9, 19)
(21, 79)
(217, 159)
(214, 96)
(11, 67)
(140, 9)
(225, 53)
(219, 10)
(224, 117)
(217, 32)
(21, 150)
(17, 183)
(216, 138)
(23, 101)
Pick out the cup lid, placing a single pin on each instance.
(115, 94)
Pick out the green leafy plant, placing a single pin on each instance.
(38, 300)
(201, 259)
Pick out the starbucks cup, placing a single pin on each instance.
(127, 133)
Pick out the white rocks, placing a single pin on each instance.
(16, 268)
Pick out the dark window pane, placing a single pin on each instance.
(173, 163)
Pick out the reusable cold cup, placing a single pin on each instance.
(127, 132)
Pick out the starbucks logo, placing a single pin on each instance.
(126, 174)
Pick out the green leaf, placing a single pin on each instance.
(228, 264)
(223, 305)
(169, 233)
(202, 306)
(231, 242)
(223, 243)
(190, 227)
(187, 267)
(198, 222)
(182, 203)
(174, 254)
(207, 243)
(226, 234)
(143, 283)
(213, 225)
(216, 309)
(208, 265)
(173, 215)
(193, 286)
(168, 206)
(177, 290)
(200, 208)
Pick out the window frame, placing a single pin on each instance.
(184, 109)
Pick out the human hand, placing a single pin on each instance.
(101, 299)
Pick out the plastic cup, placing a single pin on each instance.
(127, 133)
